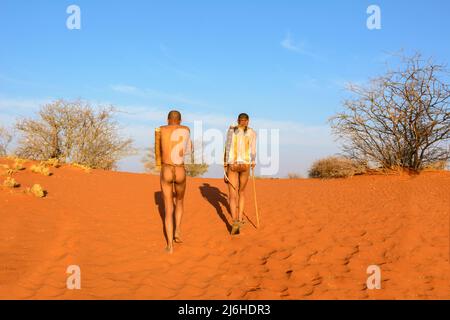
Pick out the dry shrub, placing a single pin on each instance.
(41, 168)
(336, 167)
(293, 175)
(53, 162)
(38, 191)
(18, 164)
(438, 165)
(196, 169)
(76, 132)
(80, 166)
(10, 183)
(5, 140)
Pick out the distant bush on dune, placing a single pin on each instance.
(83, 167)
(149, 161)
(55, 163)
(73, 132)
(293, 175)
(438, 165)
(336, 167)
(5, 140)
(40, 168)
(196, 169)
(19, 164)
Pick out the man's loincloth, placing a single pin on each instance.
(172, 167)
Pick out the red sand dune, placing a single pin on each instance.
(316, 240)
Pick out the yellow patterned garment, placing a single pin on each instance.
(240, 146)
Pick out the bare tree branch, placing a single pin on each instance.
(73, 131)
(400, 119)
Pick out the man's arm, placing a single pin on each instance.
(158, 148)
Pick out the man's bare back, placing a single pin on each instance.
(175, 142)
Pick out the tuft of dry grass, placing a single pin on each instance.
(81, 166)
(10, 172)
(18, 164)
(42, 169)
(336, 167)
(37, 191)
(438, 165)
(53, 162)
(10, 183)
(7, 170)
(293, 175)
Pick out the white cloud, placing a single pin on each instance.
(299, 47)
(125, 89)
(159, 95)
(20, 104)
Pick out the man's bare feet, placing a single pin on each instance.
(177, 237)
(177, 240)
(235, 228)
(169, 248)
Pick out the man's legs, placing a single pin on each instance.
(243, 179)
(233, 187)
(180, 188)
(167, 190)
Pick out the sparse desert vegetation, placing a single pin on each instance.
(53, 162)
(336, 167)
(38, 191)
(41, 168)
(73, 132)
(5, 140)
(196, 169)
(18, 165)
(293, 175)
(438, 165)
(401, 119)
(80, 166)
(10, 182)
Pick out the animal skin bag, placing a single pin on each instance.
(239, 167)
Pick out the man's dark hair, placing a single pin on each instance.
(243, 116)
(174, 115)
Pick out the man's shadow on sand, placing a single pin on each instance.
(216, 197)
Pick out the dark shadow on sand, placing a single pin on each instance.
(216, 197)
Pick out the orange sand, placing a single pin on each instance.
(316, 240)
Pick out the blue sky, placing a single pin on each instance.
(283, 62)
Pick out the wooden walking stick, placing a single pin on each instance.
(254, 195)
